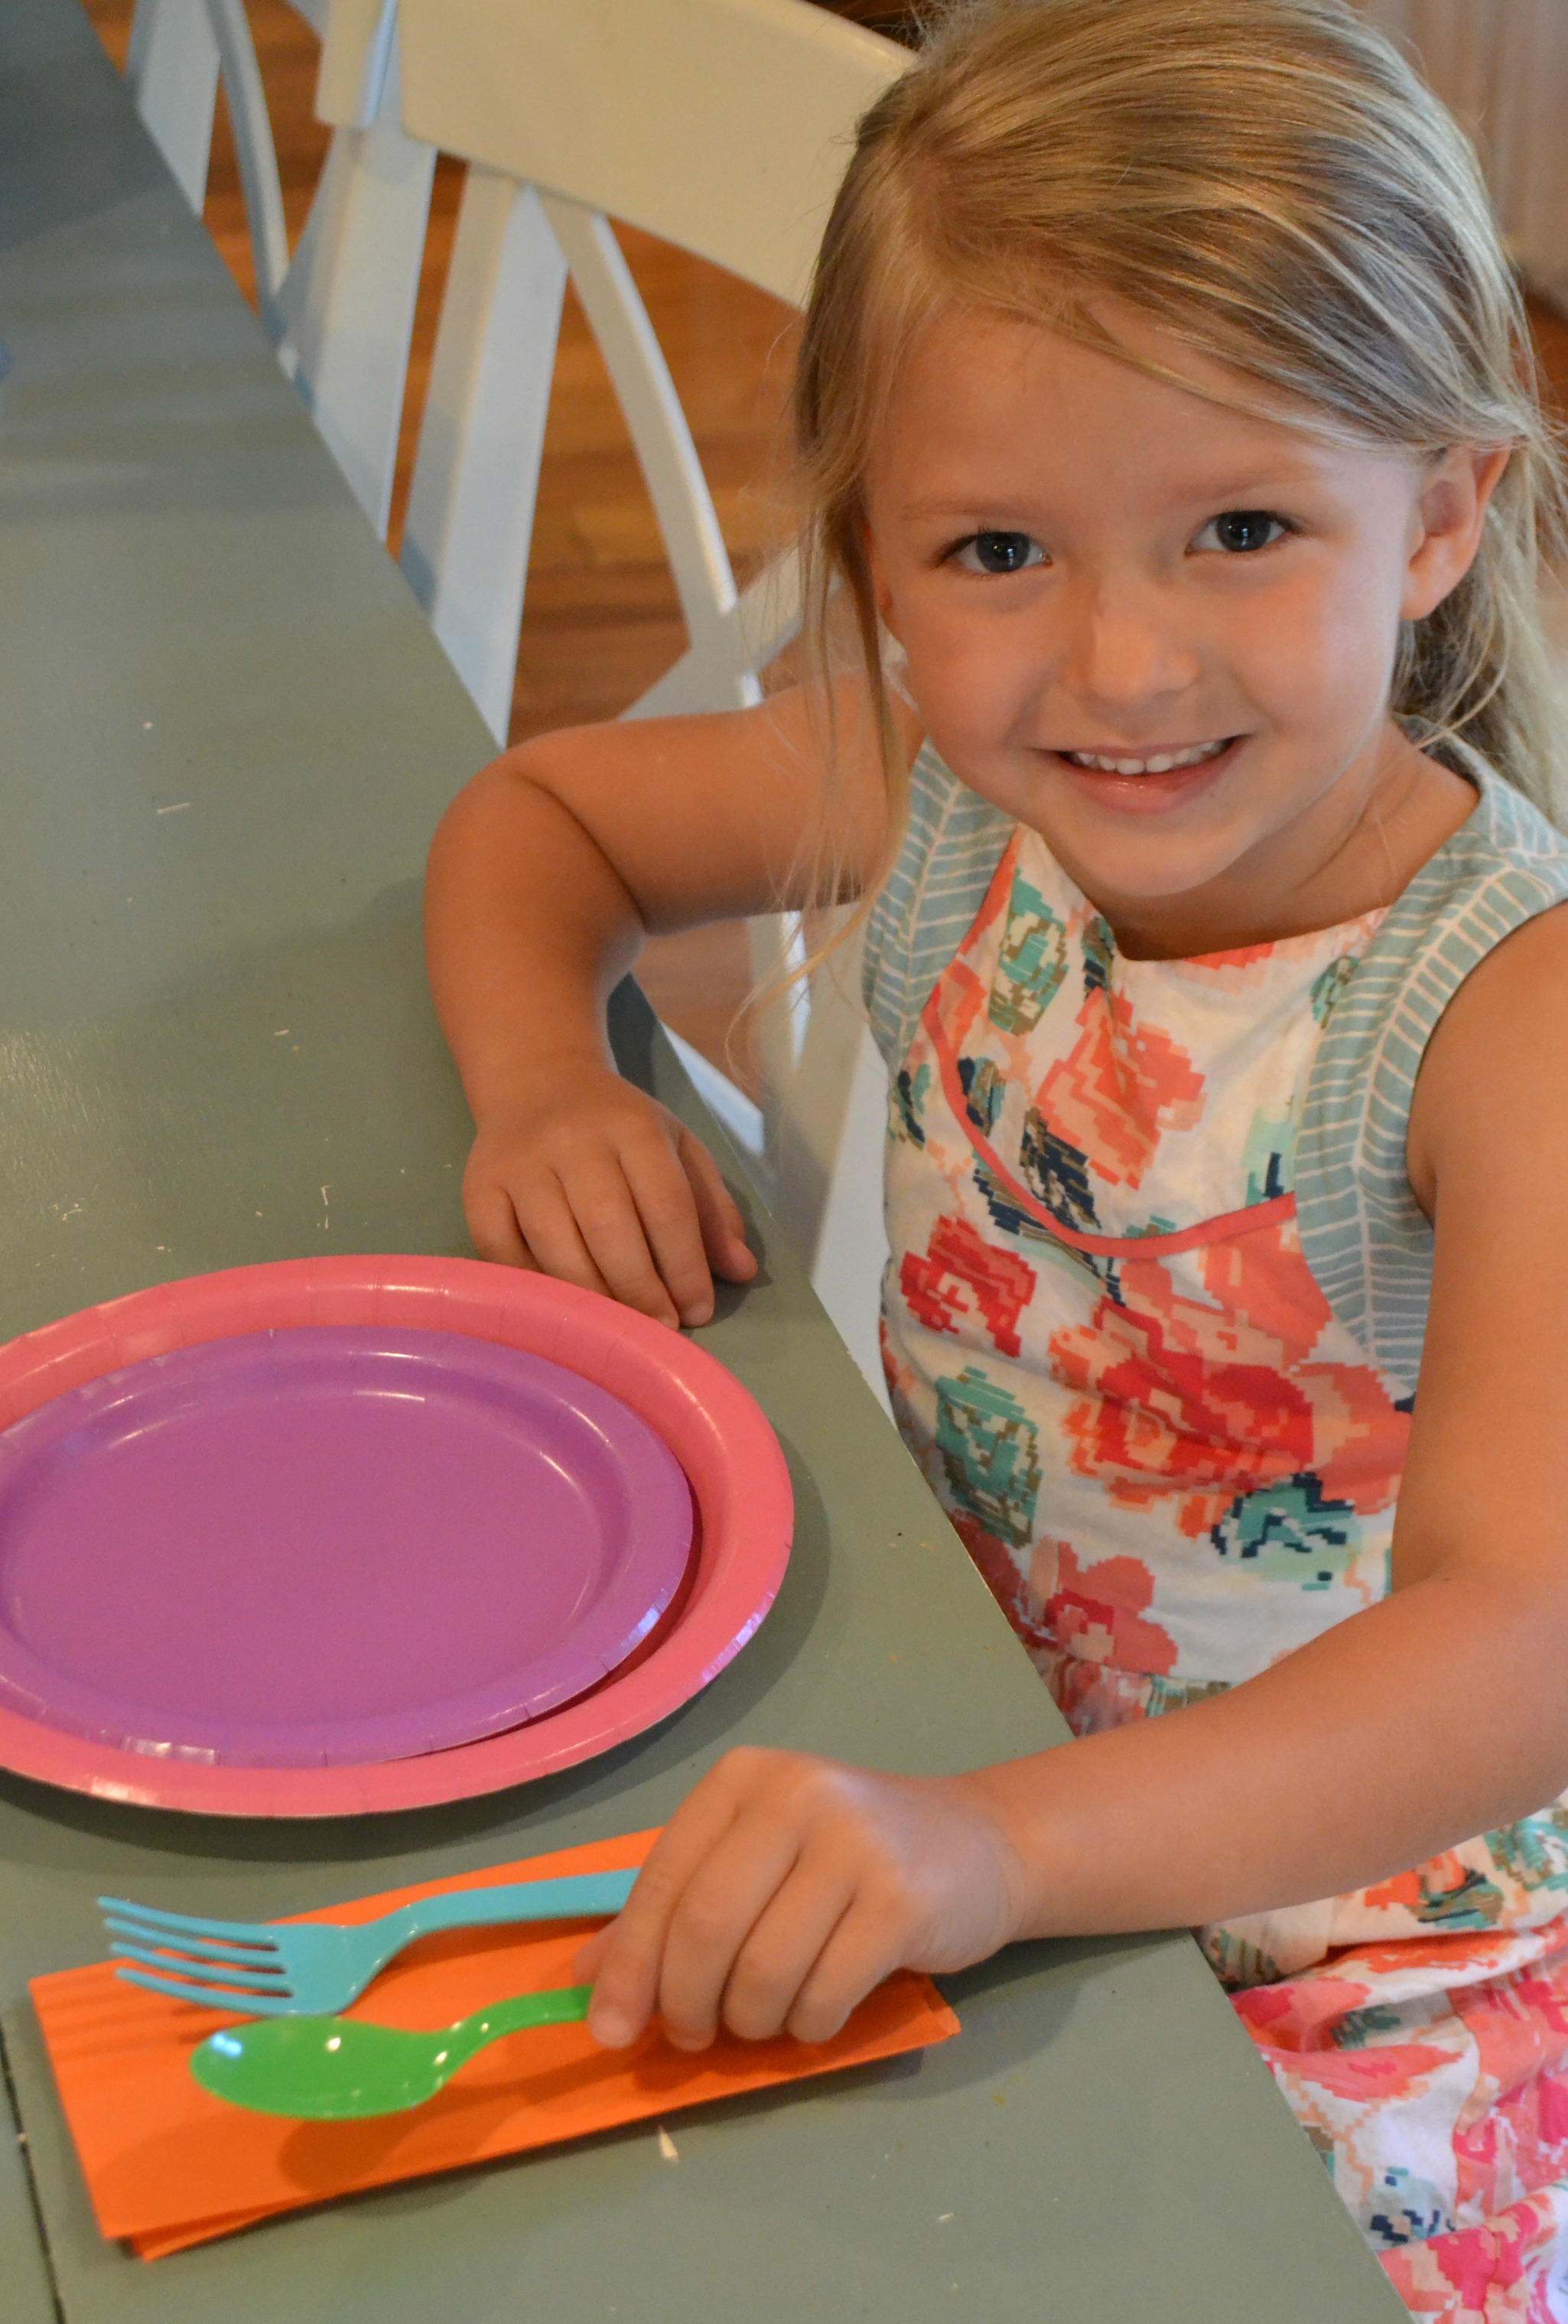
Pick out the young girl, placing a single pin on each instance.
(1165, 397)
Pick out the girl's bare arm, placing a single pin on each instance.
(546, 872)
(786, 1886)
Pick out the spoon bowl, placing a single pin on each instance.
(341, 2069)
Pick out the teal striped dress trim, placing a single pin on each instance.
(1364, 1236)
(953, 842)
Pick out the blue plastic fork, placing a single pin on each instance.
(277, 1969)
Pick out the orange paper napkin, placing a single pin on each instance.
(168, 2165)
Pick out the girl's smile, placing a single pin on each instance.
(1162, 629)
(1153, 779)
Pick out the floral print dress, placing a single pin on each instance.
(1173, 1464)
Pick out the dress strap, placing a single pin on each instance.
(953, 842)
(1363, 1233)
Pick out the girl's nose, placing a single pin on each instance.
(1123, 651)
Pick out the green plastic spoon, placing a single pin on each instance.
(334, 2068)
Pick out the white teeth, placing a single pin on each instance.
(1159, 765)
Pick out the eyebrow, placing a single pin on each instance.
(1244, 488)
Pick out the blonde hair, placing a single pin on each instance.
(1270, 182)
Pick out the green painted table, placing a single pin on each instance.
(228, 738)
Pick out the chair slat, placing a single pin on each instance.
(171, 69)
(254, 147)
(471, 504)
(347, 309)
(676, 487)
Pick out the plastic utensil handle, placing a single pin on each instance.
(577, 1896)
(560, 2005)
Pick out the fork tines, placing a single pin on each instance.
(194, 1960)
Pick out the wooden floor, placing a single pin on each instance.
(602, 620)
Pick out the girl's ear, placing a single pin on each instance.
(1446, 523)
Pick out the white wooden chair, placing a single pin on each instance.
(720, 126)
(341, 312)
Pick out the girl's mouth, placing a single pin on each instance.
(1149, 780)
(1152, 762)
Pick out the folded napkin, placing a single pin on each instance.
(168, 2165)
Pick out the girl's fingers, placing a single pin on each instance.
(610, 1216)
(723, 1229)
(724, 1904)
(550, 1237)
(621, 1200)
(767, 1903)
(672, 1223)
(781, 1955)
(862, 1948)
(493, 1225)
(589, 1957)
(629, 1959)
(605, 1216)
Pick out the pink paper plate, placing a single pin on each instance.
(714, 1428)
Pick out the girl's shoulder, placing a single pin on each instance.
(1363, 1232)
(1504, 865)
(1505, 847)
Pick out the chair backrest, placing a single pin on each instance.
(720, 126)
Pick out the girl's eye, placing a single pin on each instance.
(1000, 552)
(1240, 530)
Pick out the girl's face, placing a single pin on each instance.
(1159, 630)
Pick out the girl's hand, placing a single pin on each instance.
(784, 1888)
(600, 1185)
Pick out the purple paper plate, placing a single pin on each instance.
(327, 1544)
